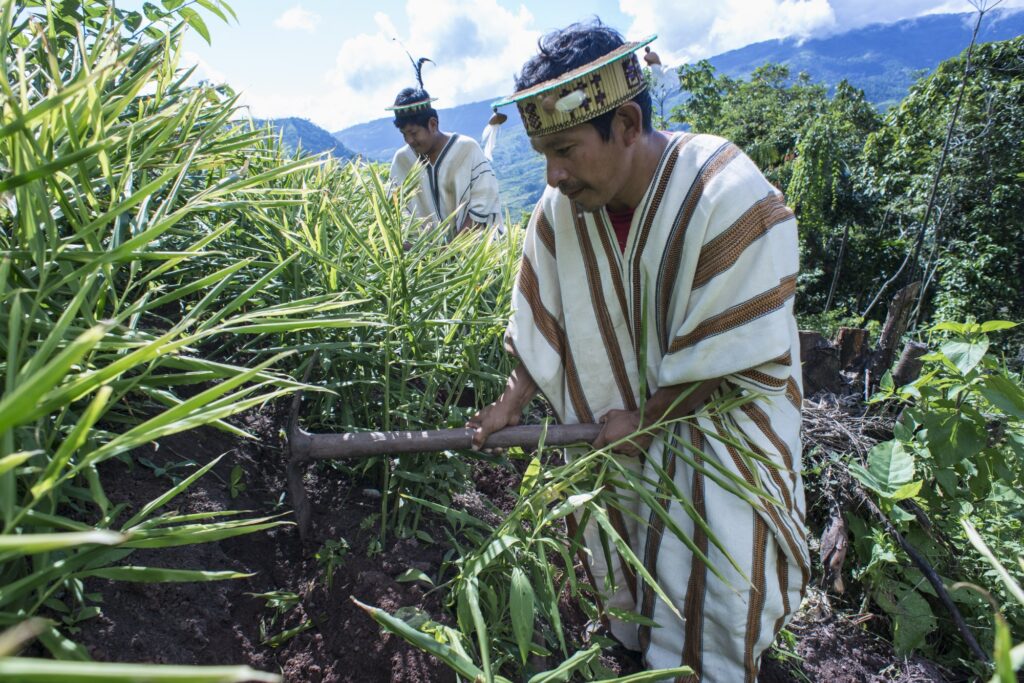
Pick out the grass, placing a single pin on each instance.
(165, 266)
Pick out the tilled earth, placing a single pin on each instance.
(226, 622)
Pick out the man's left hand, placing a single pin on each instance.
(618, 424)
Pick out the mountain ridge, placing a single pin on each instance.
(297, 132)
(882, 59)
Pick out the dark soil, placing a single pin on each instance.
(220, 622)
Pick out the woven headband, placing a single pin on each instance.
(581, 94)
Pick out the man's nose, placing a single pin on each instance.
(556, 173)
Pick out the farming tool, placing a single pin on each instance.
(305, 448)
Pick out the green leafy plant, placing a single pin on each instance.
(281, 605)
(508, 578)
(1007, 657)
(236, 481)
(330, 556)
(958, 452)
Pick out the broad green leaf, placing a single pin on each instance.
(890, 467)
(60, 646)
(482, 559)
(530, 476)
(470, 596)
(911, 614)
(196, 21)
(521, 609)
(908, 490)
(1004, 394)
(1003, 645)
(997, 325)
(410, 575)
(570, 505)
(965, 355)
(951, 326)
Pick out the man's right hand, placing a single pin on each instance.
(507, 410)
(491, 418)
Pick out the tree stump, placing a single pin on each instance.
(909, 366)
(820, 363)
(853, 346)
(896, 322)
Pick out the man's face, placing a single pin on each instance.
(586, 169)
(420, 138)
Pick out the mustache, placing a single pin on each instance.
(569, 188)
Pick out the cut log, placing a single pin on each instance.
(895, 326)
(820, 364)
(853, 347)
(909, 366)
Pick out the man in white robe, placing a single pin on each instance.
(455, 179)
(670, 256)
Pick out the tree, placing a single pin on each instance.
(973, 263)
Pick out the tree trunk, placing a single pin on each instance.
(853, 346)
(895, 326)
(909, 366)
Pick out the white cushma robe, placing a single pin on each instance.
(460, 182)
(706, 284)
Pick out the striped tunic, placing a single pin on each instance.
(704, 290)
(460, 182)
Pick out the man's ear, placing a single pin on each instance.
(629, 119)
(432, 125)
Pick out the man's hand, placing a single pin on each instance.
(490, 419)
(507, 410)
(618, 424)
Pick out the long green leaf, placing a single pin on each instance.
(26, 670)
(161, 575)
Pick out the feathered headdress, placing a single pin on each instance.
(423, 103)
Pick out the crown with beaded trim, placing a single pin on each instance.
(412, 107)
(581, 94)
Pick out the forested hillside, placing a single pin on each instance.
(300, 134)
(882, 60)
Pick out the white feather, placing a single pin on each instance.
(570, 101)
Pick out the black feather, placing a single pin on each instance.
(418, 65)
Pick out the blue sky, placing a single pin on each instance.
(336, 63)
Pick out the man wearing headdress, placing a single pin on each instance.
(455, 178)
(657, 277)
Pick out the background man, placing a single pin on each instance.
(667, 257)
(454, 176)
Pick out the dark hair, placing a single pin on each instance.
(572, 47)
(419, 117)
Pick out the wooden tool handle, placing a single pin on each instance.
(306, 446)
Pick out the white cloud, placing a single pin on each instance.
(694, 29)
(297, 19)
(204, 71)
(477, 46)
